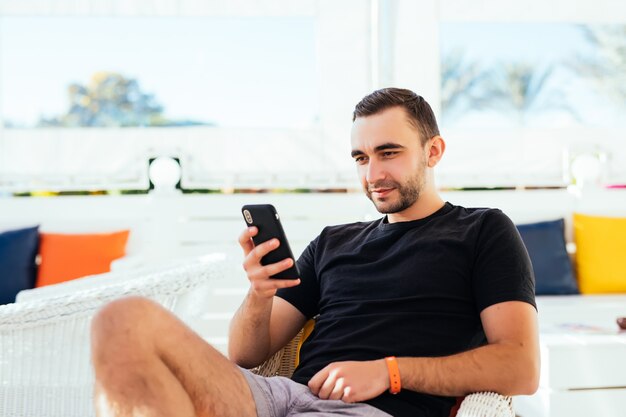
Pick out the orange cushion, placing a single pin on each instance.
(68, 256)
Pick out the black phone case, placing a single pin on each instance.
(266, 219)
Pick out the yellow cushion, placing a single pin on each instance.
(600, 253)
(307, 330)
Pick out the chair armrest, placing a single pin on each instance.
(283, 362)
(45, 343)
(111, 279)
(486, 404)
(41, 318)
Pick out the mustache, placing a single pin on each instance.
(383, 184)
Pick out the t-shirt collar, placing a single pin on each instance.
(385, 225)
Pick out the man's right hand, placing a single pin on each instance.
(261, 285)
(268, 320)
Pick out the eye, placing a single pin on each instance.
(360, 159)
(389, 154)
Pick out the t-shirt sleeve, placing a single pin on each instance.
(502, 269)
(305, 297)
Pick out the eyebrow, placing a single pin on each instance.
(379, 148)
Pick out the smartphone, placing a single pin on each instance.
(266, 219)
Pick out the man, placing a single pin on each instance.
(430, 302)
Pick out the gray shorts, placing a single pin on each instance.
(281, 397)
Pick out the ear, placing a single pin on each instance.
(435, 147)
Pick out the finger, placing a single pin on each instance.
(253, 258)
(348, 396)
(274, 284)
(245, 239)
(273, 269)
(264, 248)
(318, 379)
(338, 390)
(327, 387)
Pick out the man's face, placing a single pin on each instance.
(390, 159)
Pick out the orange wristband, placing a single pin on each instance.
(394, 375)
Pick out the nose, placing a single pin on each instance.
(374, 172)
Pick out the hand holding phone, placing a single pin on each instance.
(265, 218)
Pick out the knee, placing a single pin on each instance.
(121, 321)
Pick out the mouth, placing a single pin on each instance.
(381, 192)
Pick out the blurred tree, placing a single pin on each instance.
(522, 89)
(606, 66)
(111, 100)
(465, 85)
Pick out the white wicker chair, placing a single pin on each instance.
(45, 368)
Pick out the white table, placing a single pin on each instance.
(583, 354)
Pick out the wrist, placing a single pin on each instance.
(395, 383)
(261, 296)
(258, 304)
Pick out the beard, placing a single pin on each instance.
(409, 192)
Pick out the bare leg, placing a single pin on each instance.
(148, 363)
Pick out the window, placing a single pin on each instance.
(244, 94)
(564, 67)
(158, 71)
(520, 74)
(260, 94)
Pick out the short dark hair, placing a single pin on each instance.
(419, 112)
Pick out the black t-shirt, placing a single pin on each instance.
(411, 289)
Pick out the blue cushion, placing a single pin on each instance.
(545, 242)
(18, 251)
